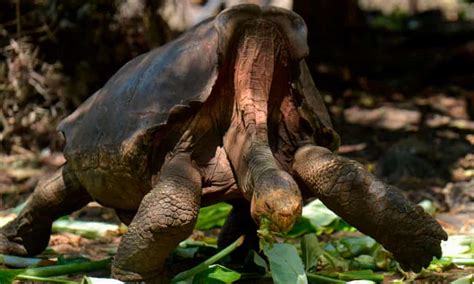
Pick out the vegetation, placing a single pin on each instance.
(320, 249)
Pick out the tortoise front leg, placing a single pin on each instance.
(166, 216)
(375, 208)
(55, 196)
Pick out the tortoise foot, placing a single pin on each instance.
(417, 245)
(9, 247)
(152, 277)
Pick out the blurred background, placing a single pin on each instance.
(396, 75)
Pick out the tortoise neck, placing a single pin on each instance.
(246, 140)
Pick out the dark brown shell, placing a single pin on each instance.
(141, 94)
(149, 89)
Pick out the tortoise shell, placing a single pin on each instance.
(115, 126)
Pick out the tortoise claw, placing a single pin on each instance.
(10, 247)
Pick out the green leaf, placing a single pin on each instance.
(361, 275)
(303, 226)
(62, 260)
(340, 225)
(458, 249)
(7, 275)
(187, 252)
(334, 261)
(264, 234)
(318, 214)
(353, 246)
(311, 251)
(285, 264)
(224, 274)
(440, 264)
(428, 206)
(88, 229)
(258, 260)
(213, 216)
(461, 246)
(322, 219)
(216, 274)
(36, 279)
(18, 261)
(93, 280)
(368, 275)
(318, 279)
(191, 248)
(19, 208)
(469, 279)
(318, 218)
(331, 259)
(188, 274)
(254, 262)
(56, 270)
(363, 261)
(5, 219)
(205, 242)
(383, 259)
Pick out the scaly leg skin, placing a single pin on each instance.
(29, 232)
(166, 216)
(375, 208)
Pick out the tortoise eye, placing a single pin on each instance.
(268, 206)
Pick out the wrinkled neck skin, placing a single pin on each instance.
(261, 53)
(246, 141)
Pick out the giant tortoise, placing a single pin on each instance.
(226, 112)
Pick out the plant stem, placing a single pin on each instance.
(56, 270)
(463, 261)
(323, 279)
(355, 275)
(205, 264)
(18, 261)
(348, 276)
(45, 279)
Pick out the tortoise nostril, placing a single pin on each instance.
(285, 213)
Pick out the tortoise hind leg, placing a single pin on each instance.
(125, 216)
(239, 222)
(166, 216)
(29, 232)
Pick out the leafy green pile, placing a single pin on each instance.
(321, 248)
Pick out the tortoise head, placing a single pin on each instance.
(265, 47)
(277, 198)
